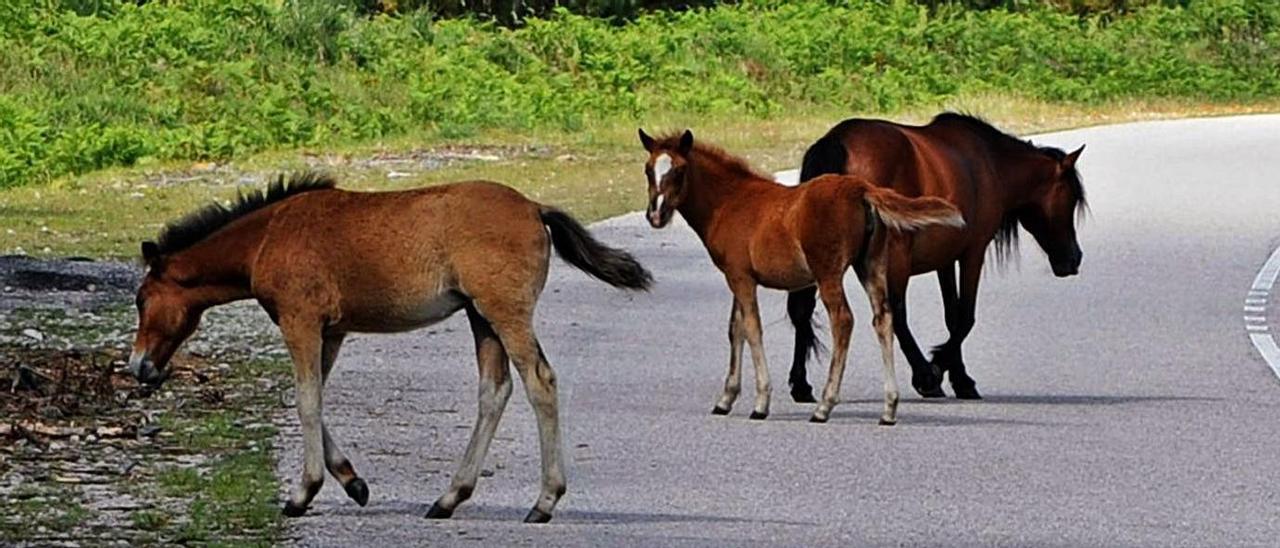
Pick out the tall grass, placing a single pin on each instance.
(115, 83)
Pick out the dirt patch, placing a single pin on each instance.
(87, 456)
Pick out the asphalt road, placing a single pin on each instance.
(1124, 407)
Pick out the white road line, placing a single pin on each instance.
(1267, 276)
(1267, 347)
(1255, 319)
(1255, 301)
(1262, 340)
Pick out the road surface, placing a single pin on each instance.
(1124, 407)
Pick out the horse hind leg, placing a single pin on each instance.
(514, 326)
(495, 391)
(831, 289)
(800, 307)
(876, 287)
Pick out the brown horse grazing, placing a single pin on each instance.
(760, 233)
(997, 180)
(325, 262)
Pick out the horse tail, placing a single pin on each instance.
(577, 247)
(908, 214)
(827, 156)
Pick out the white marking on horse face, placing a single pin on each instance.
(660, 168)
(661, 197)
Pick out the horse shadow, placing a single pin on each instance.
(870, 408)
(566, 516)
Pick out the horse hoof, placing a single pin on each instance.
(717, 410)
(292, 510)
(887, 422)
(537, 516)
(930, 391)
(758, 416)
(966, 393)
(358, 490)
(803, 396)
(818, 420)
(439, 512)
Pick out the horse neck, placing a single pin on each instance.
(1021, 178)
(223, 261)
(710, 185)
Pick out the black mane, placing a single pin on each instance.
(198, 225)
(1006, 241)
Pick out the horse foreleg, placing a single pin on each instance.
(305, 345)
(334, 459)
(495, 391)
(800, 307)
(744, 291)
(960, 320)
(831, 289)
(733, 381)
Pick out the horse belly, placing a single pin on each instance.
(407, 315)
(780, 270)
(935, 248)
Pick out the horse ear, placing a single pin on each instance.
(150, 252)
(1070, 161)
(646, 140)
(686, 143)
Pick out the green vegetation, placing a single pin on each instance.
(202, 79)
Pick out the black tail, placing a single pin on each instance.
(576, 246)
(827, 155)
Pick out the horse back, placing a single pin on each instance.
(916, 161)
(403, 258)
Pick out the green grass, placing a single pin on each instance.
(231, 499)
(107, 213)
(142, 85)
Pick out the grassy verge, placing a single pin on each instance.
(593, 173)
(87, 458)
(142, 83)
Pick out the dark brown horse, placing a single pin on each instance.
(998, 181)
(325, 262)
(760, 233)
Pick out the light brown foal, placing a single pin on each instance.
(325, 262)
(760, 233)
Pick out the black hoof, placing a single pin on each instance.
(930, 391)
(292, 510)
(884, 422)
(358, 490)
(439, 512)
(966, 392)
(803, 395)
(815, 419)
(717, 410)
(758, 416)
(537, 516)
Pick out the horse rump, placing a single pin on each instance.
(577, 247)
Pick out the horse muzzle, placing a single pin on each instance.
(144, 370)
(1069, 266)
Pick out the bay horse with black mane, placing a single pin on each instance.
(997, 180)
(325, 262)
(760, 233)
